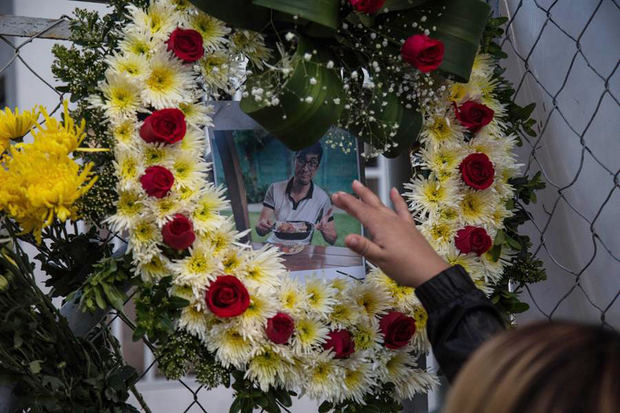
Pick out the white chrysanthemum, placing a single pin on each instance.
(129, 208)
(121, 96)
(198, 269)
(212, 30)
(194, 321)
(269, 368)
(163, 209)
(341, 285)
(359, 379)
(254, 318)
(292, 296)
(462, 92)
(160, 19)
(206, 214)
(136, 42)
(324, 377)
(194, 141)
(470, 262)
(443, 160)
(499, 215)
(366, 335)
(232, 259)
(399, 367)
(128, 167)
(124, 132)
(309, 333)
(420, 340)
(230, 346)
(372, 299)
(197, 114)
(441, 127)
(483, 66)
(263, 268)
(321, 296)
(344, 314)
(427, 196)
(144, 236)
(155, 154)
(222, 237)
(252, 45)
(403, 297)
(188, 170)
(154, 269)
(131, 64)
(440, 234)
(168, 81)
(476, 206)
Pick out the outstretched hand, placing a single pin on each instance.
(395, 245)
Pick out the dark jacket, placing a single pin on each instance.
(460, 318)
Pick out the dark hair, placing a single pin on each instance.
(315, 149)
(543, 367)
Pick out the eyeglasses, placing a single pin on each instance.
(312, 163)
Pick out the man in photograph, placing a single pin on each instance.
(299, 199)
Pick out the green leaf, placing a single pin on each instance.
(393, 5)
(296, 122)
(238, 13)
(325, 407)
(460, 28)
(324, 12)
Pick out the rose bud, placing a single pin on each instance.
(179, 233)
(165, 126)
(397, 329)
(227, 296)
(367, 6)
(473, 239)
(186, 44)
(477, 171)
(424, 53)
(341, 342)
(473, 115)
(157, 181)
(280, 328)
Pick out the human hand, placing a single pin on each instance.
(263, 226)
(397, 247)
(322, 225)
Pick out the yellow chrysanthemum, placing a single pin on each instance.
(212, 30)
(14, 125)
(58, 137)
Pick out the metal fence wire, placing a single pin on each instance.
(563, 55)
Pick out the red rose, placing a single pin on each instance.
(157, 181)
(367, 6)
(164, 126)
(474, 115)
(424, 53)
(341, 342)
(179, 233)
(477, 171)
(280, 328)
(397, 329)
(227, 296)
(186, 44)
(473, 239)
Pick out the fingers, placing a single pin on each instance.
(351, 205)
(400, 206)
(366, 194)
(363, 246)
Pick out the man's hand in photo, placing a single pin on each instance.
(264, 226)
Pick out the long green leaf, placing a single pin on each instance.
(238, 13)
(393, 5)
(460, 28)
(295, 121)
(324, 12)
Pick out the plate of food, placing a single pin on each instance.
(290, 249)
(292, 230)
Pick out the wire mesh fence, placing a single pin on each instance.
(556, 59)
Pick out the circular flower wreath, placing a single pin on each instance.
(335, 340)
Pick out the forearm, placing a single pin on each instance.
(460, 318)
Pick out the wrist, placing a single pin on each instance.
(427, 271)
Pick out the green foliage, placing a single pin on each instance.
(380, 401)
(53, 370)
(156, 310)
(105, 286)
(249, 397)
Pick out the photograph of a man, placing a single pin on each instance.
(299, 199)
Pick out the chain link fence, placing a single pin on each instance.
(563, 55)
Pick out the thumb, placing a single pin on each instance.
(363, 246)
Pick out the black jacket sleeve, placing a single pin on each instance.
(460, 317)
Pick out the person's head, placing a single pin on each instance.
(307, 163)
(541, 368)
